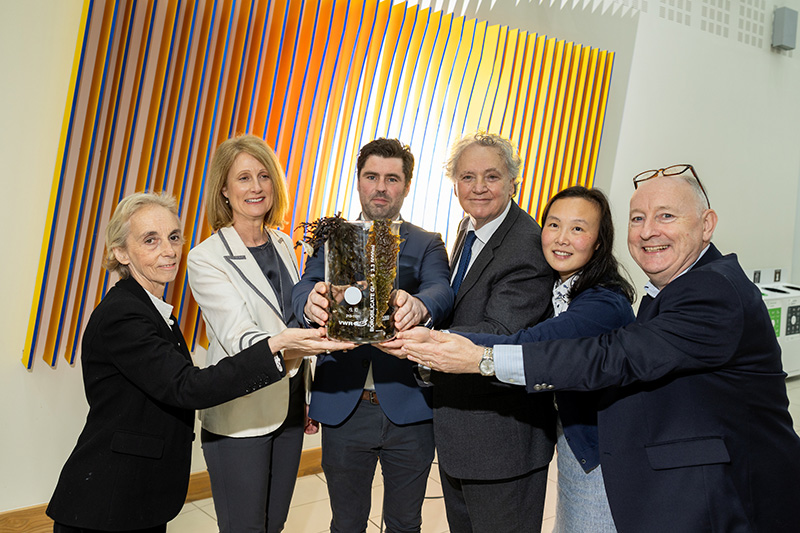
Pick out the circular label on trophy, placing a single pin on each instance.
(352, 295)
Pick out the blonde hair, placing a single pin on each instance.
(119, 227)
(218, 210)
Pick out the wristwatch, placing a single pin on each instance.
(487, 362)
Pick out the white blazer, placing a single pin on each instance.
(240, 308)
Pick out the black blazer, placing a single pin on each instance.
(130, 467)
(695, 434)
(485, 429)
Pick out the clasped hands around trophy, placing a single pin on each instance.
(437, 350)
(408, 310)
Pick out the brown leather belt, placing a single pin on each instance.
(370, 396)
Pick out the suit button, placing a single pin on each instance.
(537, 387)
(365, 363)
(551, 387)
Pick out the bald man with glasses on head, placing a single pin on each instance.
(695, 432)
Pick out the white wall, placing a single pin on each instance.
(678, 95)
(732, 111)
(683, 95)
(41, 412)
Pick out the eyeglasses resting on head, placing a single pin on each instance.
(674, 170)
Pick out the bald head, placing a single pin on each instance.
(669, 226)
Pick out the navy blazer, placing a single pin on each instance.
(339, 378)
(695, 434)
(593, 312)
(130, 467)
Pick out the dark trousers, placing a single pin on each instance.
(253, 478)
(350, 452)
(61, 528)
(513, 505)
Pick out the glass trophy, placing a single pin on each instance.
(361, 273)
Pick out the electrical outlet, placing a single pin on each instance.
(777, 276)
(757, 276)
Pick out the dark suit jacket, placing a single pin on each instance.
(485, 429)
(593, 312)
(130, 467)
(696, 435)
(339, 377)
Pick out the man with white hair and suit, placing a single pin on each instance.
(494, 441)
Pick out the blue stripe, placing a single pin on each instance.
(194, 335)
(362, 83)
(57, 209)
(275, 75)
(403, 65)
(209, 149)
(197, 107)
(257, 77)
(138, 102)
(535, 106)
(424, 77)
(472, 86)
(336, 67)
(516, 100)
(599, 127)
(315, 160)
(180, 91)
(86, 180)
(164, 86)
(189, 153)
(310, 114)
(550, 133)
(466, 110)
(378, 91)
(339, 191)
(565, 112)
(104, 180)
(502, 53)
(241, 70)
(441, 111)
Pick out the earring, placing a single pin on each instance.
(227, 202)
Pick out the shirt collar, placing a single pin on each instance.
(561, 294)
(488, 229)
(164, 309)
(652, 291)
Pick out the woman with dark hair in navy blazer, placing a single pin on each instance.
(590, 297)
(130, 468)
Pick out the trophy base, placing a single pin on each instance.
(360, 339)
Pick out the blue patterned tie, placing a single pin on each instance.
(463, 263)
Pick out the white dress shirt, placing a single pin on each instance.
(482, 236)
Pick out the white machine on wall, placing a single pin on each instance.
(783, 303)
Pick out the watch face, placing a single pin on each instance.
(487, 367)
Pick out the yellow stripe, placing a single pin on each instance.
(28, 352)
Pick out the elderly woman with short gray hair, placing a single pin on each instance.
(130, 468)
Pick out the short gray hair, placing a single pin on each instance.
(703, 202)
(508, 152)
(119, 226)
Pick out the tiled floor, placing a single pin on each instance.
(310, 512)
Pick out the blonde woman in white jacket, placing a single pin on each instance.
(242, 278)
